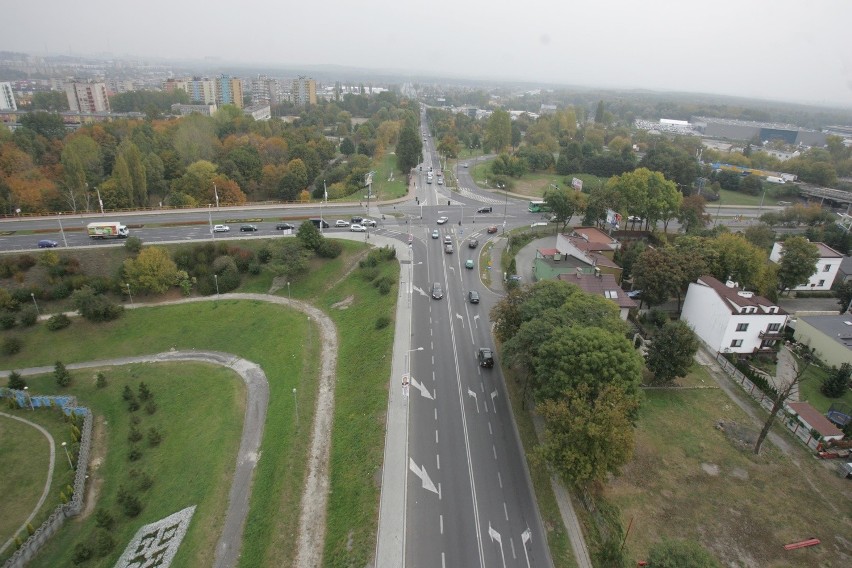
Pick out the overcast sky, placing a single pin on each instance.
(779, 49)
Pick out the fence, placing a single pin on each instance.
(766, 402)
(74, 507)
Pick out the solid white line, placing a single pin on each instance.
(500, 480)
(436, 414)
(489, 428)
(512, 544)
(494, 449)
(436, 436)
(443, 560)
(440, 496)
(441, 519)
(438, 460)
(505, 511)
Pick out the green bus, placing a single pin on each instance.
(538, 207)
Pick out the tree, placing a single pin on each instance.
(498, 130)
(61, 375)
(587, 436)
(657, 274)
(565, 203)
(294, 181)
(672, 351)
(48, 124)
(693, 215)
(782, 393)
(16, 381)
(833, 386)
(592, 310)
(152, 270)
(409, 149)
(309, 236)
(760, 235)
(740, 261)
(680, 554)
(844, 295)
(94, 306)
(347, 148)
(798, 262)
(289, 258)
(599, 113)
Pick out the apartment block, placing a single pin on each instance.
(229, 91)
(87, 97)
(304, 91)
(7, 97)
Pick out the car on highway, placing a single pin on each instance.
(464, 165)
(468, 263)
(248, 229)
(437, 291)
(341, 223)
(448, 239)
(356, 228)
(448, 249)
(473, 297)
(47, 244)
(634, 219)
(435, 234)
(442, 220)
(221, 228)
(410, 238)
(485, 357)
(473, 243)
(488, 209)
(284, 227)
(492, 229)
(356, 220)
(368, 222)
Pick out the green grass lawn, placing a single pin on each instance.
(809, 390)
(690, 480)
(23, 485)
(737, 198)
(193, 464)
(383, 188)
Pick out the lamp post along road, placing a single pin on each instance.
(129, 294)
(67, 455)
(216, 280)
(61, 230)
(289, 297)
(29, 398)
(32, 295)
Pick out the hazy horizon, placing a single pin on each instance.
(780, 51)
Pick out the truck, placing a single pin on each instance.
(107, 230)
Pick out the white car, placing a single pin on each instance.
(442, 220)
(356, 228)
(341, 223)
(368, 222)
(221, 228)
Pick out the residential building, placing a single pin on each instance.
(184, 110)
(844, 273)
(258, 111)
(732, 320)
(229, 91)
(827, 266)
(812, 420)
(87, 97)
(7, 97)
(304, 91)
(604, 285)
(201, 90)
(265, 90)
(830, 337)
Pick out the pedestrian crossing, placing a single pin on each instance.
(465, 192)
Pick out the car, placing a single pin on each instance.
(284, 227)
(635, 294)
(472, 243)
(368, 222)
(468, 263)
(437, 291)
(485, 357)
(448, 239)
(221, 228)
(448, 249)
(435, 234)
(410, 238)
(492, 229)
(47, 244)
(356, 220)
(356, 228)
(440, 181)
(473, 297)
(341, 223)
(464, 165)
(634, 219)
(248, 229)
(514, 278)
(442, 220)
(488, 209)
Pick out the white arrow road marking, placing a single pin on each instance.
(526, 536)
(461, 318)
(476, 319)
(493, 396)
(424, 477)
(473, 394)
(421, 387)
(419, 291)
(496, 536)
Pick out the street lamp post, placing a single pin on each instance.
(216, 195)
(505, 204)
(289, 297)
(61, 230)
(216, 280)
(29, 398)
(762, 197)
(32, 295)
(129, 294)
(67, 455)
(210, 221)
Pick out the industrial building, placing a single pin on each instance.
(731, 129)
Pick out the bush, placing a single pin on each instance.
(134, 455)
(11, 345)
(28, 316)
(133, 245)
(150, 407)
(16, 381)
(61, 291)
(7, 320)
(100, 380)
(329, 249)
(229, 281)
(134, 435)
(58, 321)
(130, 504)
(142, 480)
(104, 543)
(264, 255)
(94, 306)
(254, 268)
(382, 322)
(103, 519)
(224, 263)
(144, 392)
(836, 383)
(82, 553)
(61, 374)
(154, 437)
(384, 284)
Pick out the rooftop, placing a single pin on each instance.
(814, 419)
(600, 285)
(738, 299)
(837, 327)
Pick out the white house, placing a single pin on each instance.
(827, 266)
(732, 320)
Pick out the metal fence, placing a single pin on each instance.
(48, 528)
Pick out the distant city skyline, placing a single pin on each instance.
(783, 50)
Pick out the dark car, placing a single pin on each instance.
(437, 291)
(248, 229)
(484, 210)
(473, 243)
(492, 229)
(485, 357)
(356, 220)
(47, 244)
(284, 227)
(473, 297)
